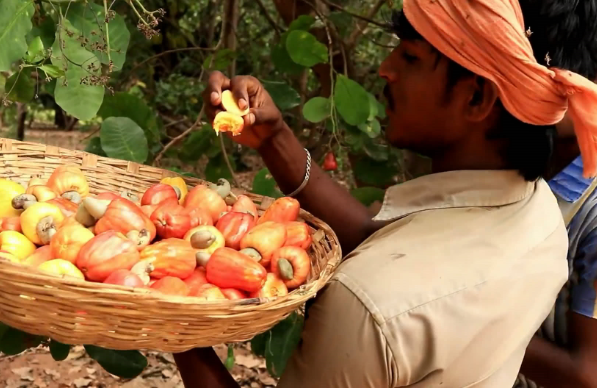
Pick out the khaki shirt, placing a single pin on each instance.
(449, 294)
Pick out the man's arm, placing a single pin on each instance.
(286, 160)
(573, 367)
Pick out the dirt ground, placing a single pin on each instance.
(36, 369)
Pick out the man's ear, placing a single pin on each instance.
(483, 98)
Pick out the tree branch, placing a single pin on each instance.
(362, 25)
(168, 52)
(186, 132)
(269, 18)
(363, 18)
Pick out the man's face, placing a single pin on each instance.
(423, 117)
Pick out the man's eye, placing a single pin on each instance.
(409, 58)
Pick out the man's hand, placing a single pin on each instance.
(264, 119)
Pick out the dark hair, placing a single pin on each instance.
(564, 29)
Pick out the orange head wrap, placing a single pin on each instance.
(488, 37)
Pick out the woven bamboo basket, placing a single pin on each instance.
(123, 318)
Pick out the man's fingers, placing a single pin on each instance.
(215, 84)
(238, 86)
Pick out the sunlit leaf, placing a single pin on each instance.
(125, 364)
(85, 17)
(35, 50)
(352, 100)
(77, 99)
(371, 128)
(317, 109)
(304, 49)
(123, 139)
(52, 70)
(283, 94)
(15, 23)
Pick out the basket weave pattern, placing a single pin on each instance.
(123, 318)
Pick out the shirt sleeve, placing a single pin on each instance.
(584, 283)
(341, 346)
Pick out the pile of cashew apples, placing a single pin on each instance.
(173, 240)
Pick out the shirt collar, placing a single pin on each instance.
(454, 189)
(569, 184)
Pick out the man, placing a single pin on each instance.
(449, 282)
(564, 352)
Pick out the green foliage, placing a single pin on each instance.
(20, 86)
(278, 344)
(265, 185)
(122, 138)
(59, 350)
(15, 341)
(352, 101)
(125, 364)
(304, 49)
(15, 23)
(317, 109)
(229, 363)
(283, 94)
(95, 147)
(368, 195)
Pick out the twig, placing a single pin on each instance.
(92, 133)
(354, 36)
(168, 52)
(223, 147)
(106, 20)
(186, 132)
(363, 18)
(269, 18)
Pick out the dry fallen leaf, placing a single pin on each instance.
(167, 373)
(53, 373)
(24, 373)
(82, 382)
(249, 360)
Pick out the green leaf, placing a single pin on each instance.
(265, 185)
(16, 341)
(221, 60)
(381, 110)
(197, 144)
(52, 70)
(376, 151)
(371, 128)
(59, 350)
(35, 51)
(283, 62)
(3, 329)
(95, 147)
(317, 109)
(352, 100)
(303, 22)
(85, 17)
(46, 31)
(368, 195)
(304, 49)
(216, 168)
(283, 94)
(374, 173)
(229, 363)
(123, 139)
(373, 107)
(79, 100)
(15, 23)
(21, 86)
(125, 364)
(278, 344)
(123, 104)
